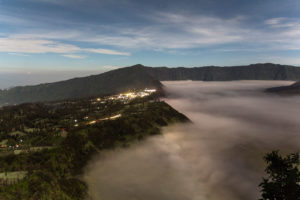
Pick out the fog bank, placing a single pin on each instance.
(217, 157)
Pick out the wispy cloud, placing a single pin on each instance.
(183, 31)
(18, 54)
(164, 31)
(274, 21)
(282, 22)
(284, 33)
(174, 31)
(19, 44)
(74, 56)
(107, 51)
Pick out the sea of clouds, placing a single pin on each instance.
(219, 156)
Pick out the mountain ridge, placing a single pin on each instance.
(260, 71)
(140, 77)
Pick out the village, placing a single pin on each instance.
(30, 128)
(16, 137)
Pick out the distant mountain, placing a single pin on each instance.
(111, 82)
(266, 71)
(286, 90)
(138, 77)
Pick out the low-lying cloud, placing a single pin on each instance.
(217, 157)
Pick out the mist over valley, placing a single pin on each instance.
(217, 156)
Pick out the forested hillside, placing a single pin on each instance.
(45, 147)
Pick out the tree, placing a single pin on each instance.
(283, 182)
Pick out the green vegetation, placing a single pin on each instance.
(283, 182)
(58, 139)
(139, 77)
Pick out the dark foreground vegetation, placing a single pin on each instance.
(45, 147)
(283, 181)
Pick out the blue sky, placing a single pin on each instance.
(88, 36)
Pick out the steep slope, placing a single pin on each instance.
(139, 76)
(293, 89)
(112, 82)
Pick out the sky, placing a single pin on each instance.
(88, 36)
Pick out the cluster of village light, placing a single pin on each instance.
(106, 118)
(127, 95)
(123, 97)
(132, 95)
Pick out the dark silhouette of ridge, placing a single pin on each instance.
(139, 77)
(293, 89)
